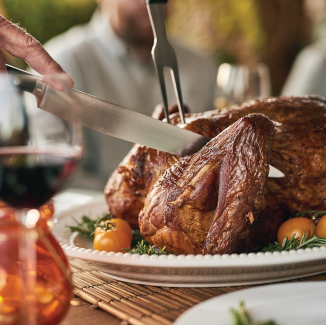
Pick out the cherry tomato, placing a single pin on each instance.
(297, 226)
(118, 223)
(114, 239)
(111, 241)
(321, 227)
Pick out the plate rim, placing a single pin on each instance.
(188, 261)
(184, 317)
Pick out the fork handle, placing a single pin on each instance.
(156, 1)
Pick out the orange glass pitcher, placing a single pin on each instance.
(35, 278)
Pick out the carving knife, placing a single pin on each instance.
(113, 119)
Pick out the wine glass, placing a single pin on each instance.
(239, 83)
(38, 156)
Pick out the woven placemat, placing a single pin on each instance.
(141, 304)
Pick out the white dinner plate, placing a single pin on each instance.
(186, 270)
(299, 303)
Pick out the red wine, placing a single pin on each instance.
(29, 180)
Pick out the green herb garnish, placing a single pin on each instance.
(295, 243)
(242, 317)
(137, 238)
(143, 248)
(87, 226)
(315, 214)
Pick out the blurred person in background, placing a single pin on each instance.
(307, 75)
(110, 58)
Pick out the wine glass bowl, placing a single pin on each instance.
(239, 83)
(39, 153)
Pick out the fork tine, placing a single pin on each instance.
(160, 74)
(177, 90)
(164, 55)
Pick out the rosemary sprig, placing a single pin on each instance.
(137, 238)
(87, 226)
(242, 317)
(143, 248)
(295, 243)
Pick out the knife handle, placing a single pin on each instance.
(27, 84)
(12, 69)
(156, 1)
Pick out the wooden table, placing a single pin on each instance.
(101, 300)
(82, 312)
(127, 303)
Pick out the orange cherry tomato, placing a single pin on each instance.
(321, 227)
(118, 223)
(295, 226)
(111, 241)
(115, 238)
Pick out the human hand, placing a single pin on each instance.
(159, 112)
(20, 44)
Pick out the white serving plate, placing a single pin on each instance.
(298, 303)
(186, 270)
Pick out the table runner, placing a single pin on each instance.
(142, 304)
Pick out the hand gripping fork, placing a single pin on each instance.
(164, 55)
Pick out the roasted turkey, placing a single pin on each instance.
(220, 200)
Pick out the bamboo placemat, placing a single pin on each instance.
(141, 304)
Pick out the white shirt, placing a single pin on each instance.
(308, 73)
(100, 65)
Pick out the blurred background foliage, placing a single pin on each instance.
(246, 31)
(47, 18)
(219, 27)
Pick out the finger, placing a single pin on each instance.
(2, 63)
(158, 112)
(20, 44)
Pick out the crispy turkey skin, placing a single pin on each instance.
(298, 150)
(201, 204)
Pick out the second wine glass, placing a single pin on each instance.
(239, 83)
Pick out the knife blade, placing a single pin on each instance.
(114, 120)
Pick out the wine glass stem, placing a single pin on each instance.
(27, 272)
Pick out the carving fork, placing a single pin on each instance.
(164, 55)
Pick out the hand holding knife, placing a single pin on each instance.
(113, 119)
